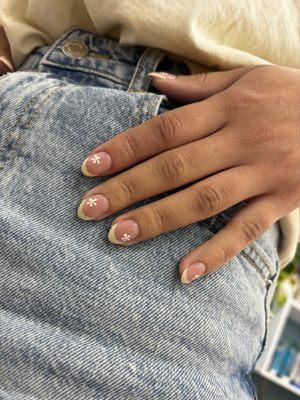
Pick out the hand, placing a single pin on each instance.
(237, 140)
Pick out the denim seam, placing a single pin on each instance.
(247, 256)
(138, 112)
(152, 106)
(40, 102)
(137, 70)
(254, 247)
(17, 123)
(249, 259)
(266, 330)
(91, 71)
(260, 254)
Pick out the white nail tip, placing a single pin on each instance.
(84, 169)
(184, 277)
(157, 75)
(81, 214)
(111, 235)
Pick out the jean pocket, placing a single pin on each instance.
(23, 97)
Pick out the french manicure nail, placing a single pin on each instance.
(124, 232)
(162, 75)
(96, 164)
(93, 207)
(194, 271)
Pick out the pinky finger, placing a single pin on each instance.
(245, 226)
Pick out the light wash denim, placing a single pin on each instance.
(81, 318)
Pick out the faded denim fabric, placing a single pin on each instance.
(81, 318)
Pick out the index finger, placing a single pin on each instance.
(163, 132)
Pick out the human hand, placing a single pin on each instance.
(238, 139)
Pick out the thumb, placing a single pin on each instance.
(196, 87)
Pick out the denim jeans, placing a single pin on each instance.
(81, 318)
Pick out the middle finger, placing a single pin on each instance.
(167, 171)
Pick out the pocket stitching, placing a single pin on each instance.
(262, 257)
(254, 246)
(40, 102)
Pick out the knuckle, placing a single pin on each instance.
(242, 96)
(251, 230)
(225, 253)
(158, 220)
(201, 79)
(167, 127)
(245, 99)
(124, 191)
(172, 167)
(131, 147)
(207, 200)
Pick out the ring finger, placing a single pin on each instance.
(198, 202)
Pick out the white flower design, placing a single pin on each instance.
(125, 237)
(92, 202)
(96, 159)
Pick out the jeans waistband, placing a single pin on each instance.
(106, 57)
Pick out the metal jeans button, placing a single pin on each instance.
(75, 49)
(269, 282)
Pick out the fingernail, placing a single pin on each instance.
(93, 207)
(96, 164)
(162, 75)
(194, 271)
(124, 232)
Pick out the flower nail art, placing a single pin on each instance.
(93, 207)
(92, 202)
(126, 237)
(96, 159)
(96, 164)
(124, 232)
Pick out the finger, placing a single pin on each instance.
(198, 202)
(166, 131)
(196, 87)
(167, 171)
(246, 226)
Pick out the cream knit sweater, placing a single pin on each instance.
(211, 33)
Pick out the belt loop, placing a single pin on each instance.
(148, 62)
